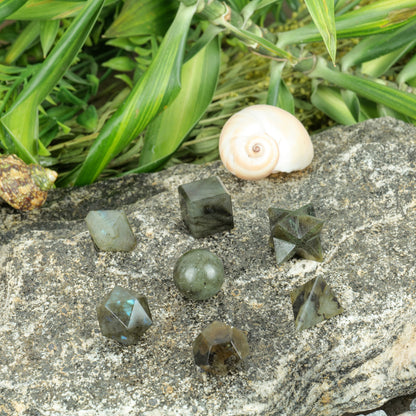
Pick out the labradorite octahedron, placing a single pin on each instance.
(124, 316)
(206, 207)
(314, 302)
(219, 347)
(296, 232)
(110, 230)
(198, 274)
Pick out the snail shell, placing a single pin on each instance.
(24, 186)
(263, 139)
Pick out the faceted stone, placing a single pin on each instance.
(110, 230)
(124, 316)
(198, 274)
(295, 232)
(314, 302)
(219, 347)
(206, 207)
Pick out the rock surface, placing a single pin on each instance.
(54, 361)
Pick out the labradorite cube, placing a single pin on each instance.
(206, 207)
(110, 230)
(124, 315)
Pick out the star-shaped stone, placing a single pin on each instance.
(296, 232)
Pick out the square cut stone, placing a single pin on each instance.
(206, 207)
(110, 230)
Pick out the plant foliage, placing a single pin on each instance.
(100, 88)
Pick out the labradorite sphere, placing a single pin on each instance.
(198, 274)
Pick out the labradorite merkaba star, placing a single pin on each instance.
(295, 232)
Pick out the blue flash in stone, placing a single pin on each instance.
(124, 316)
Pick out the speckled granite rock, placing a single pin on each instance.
(54, 361)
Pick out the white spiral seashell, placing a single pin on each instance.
(263, 139)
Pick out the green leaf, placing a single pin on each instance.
(374, 18)
(47, 9)
(408, 72)
(380, 65)
(393, 98)
(26, 38)
(278, 93)
(322, 13)
(48, 32)
(330, 101)
(120, 63)
(166, 132)
(21, 121)
(378, 45)
(7, 7)
(89, 118)
(143, 17)
(154, 90)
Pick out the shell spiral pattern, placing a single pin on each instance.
(263, 139)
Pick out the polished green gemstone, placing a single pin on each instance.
(296, 232)
(110, 230)
(124, 316)
(198, 274)
(314, 302)
(219, 347)
(206, 207)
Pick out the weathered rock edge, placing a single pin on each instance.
(54, 361)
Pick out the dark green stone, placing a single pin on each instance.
(198, 274)
(206, 207)
(219, 347)
(314, 302)
(296, 233)
(124, 316)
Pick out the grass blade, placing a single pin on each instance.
(154, 90)
(143, 17)
(322, 13)
(47, 9)
(278, 94)
(408, 72)
(48, 32)
(7, 7)
(167, 131)
(393, 98)
(26, 38)
(21, 121)
(374, 18)
(379, 45)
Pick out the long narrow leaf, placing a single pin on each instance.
(399, 101)
(7, 7)
(29, 34)
(48, 32)
(47, 9)
(408, 72)
(143, 17)
(21, 121)
(278, 94)
(158, 86)
(379, 45)
(322, 13)
(374, 18)
(166, 132)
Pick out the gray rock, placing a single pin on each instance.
(54, 361)
(408, 414)
(376, 413)
(413, 405)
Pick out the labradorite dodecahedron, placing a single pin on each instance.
(296, 232)
(198, 274)
(124, 316)
(219, 347)
(206, 207)
(314, 302)
(110, 230)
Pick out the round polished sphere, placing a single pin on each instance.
(198, 274)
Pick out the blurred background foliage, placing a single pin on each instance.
(102, 88)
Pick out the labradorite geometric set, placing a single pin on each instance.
(206, 209)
